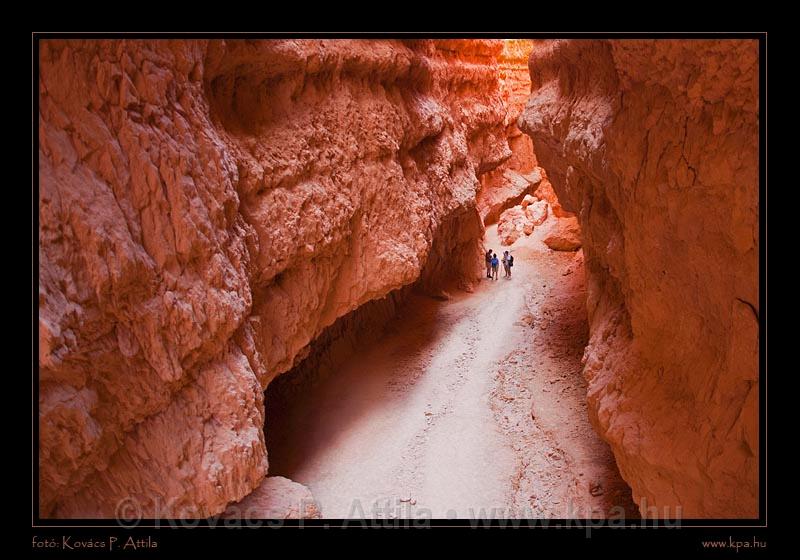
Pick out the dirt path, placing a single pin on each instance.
(435, 419)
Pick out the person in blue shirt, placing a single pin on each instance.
(495, 264)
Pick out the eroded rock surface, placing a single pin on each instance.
(655, 145)
(523, 218)
(513, 224)
(564, 235)
(275, 498)
(206, 210)
(506, 185)
(537, 212)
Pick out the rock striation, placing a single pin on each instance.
(506, 185)
(206, 210)
(654, 144)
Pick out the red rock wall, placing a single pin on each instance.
(507, 184)
(515, 88)
(206, 210)
(655, 145)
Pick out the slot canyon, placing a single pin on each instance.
(263, 288)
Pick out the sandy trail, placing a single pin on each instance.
(469, 408)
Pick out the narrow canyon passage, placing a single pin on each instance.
(222, 221)
(434, 418)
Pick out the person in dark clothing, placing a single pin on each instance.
(489, 264)
(508, 262)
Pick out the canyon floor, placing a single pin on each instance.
(469, 408)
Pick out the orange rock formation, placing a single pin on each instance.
(506, 185)
(207, 208)
(655, 145)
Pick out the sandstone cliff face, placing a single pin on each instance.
(206, 210)
(655, 145)
(506, 185)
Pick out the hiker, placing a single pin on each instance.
(489, 264)
(509, 263)
(495, 264)
(505, 265)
